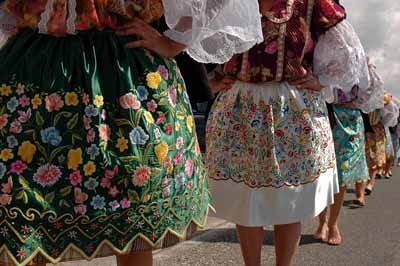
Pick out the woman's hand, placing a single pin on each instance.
(150, 38)
(309, 82)
(218, 85)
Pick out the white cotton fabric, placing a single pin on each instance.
(214, 30)
(340, 61)
(372, 98)
(390, 114)
(8, 26)
(247, 206)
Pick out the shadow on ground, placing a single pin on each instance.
(228, 235)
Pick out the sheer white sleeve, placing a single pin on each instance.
(7, 26)
(213, 30)
(339, 59)
(372, 98)
(390, 114)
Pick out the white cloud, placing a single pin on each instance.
(378, 23)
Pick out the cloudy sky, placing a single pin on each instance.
(378, 24)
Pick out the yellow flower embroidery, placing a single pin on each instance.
(89, 168)
(26, 151)
(343, 167)
(71, 98)
(6, 154)
(5, 90)
(170, 169)
(189, 123)
(74, 158)
(161, 151)
(36, 101)
(122, 144)
(179, 88)
(98, 101)
(177, 126)
(149, 117)
(153, 80)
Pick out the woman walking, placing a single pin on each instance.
(98, 151)
(270, 151)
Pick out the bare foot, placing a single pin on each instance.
(322, 233)
(334, 237)
(360, 201)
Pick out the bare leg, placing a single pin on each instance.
(287, 239)
(360, 195)
(334, 237)
(322, 231)
(142, 258)
(251, 240)
(371, 183)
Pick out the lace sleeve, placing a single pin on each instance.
(390, 114)
(340, 61)
(373, 97)
(8, 26)
(213, 30)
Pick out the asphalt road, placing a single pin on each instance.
(371, 237)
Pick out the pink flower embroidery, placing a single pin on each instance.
(271, 48)
(24, 101)
(24, 116)
(104, 132)
(141, 176)
(18, 167)
(129, 101)
(5, 199)
(189, 167)
(15, 127)
(125, 204)
(179, 143)
(80, 209)
(3, 120)
(163, 72)
(152, 106)
(47, 175)
(54, 102)
(75, 178)
(172, 96)
(80, 197)
(113, 192)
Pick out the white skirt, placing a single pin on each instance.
(270, 154)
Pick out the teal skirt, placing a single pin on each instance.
(98, 150)
(349, 139)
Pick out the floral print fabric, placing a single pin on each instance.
(269, 135)
(349, 139)
(94, 159)
(89, 14)
(287, 20)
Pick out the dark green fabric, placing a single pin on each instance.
(72, 104)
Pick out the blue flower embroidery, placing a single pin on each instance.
(91, 184)
(12, 104)
(51, 135)
(98, 202)
(3, 170)
(91, 110)
(12, 142)
(142, 93)
(138, 136)
(93, 151)
(180, 180)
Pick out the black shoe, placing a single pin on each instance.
(368, 191)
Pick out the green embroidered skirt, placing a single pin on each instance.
(98, 150)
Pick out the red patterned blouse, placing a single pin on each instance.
(290, 30)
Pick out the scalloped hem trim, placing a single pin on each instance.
(353, 182)
(308, 181)
(138, 243)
